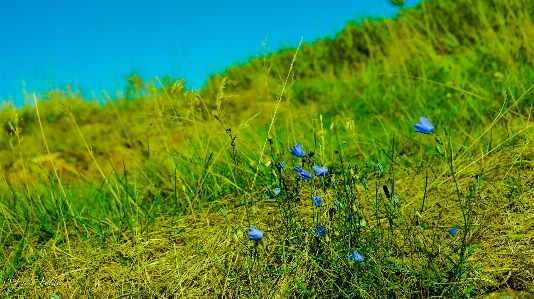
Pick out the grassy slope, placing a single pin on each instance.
(457, 63)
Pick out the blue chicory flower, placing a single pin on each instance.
(317, 201)
(273, 192)
(282, 165)
(424, 126)
(386, 191)
(320, 170)
(298, 151)
(320, 231)
(453, 231)
(255, 234)
(302, 173)
(356, 257)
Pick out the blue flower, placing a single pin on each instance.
(282, 165)
(380, 167)
(386, 191)
(273, 192)
(320, 231)
(356, 257)
(255, 234)
(453, 231)
(302, 173)
(320, 170)
(317, 200)
(298, 151)
(424, 126)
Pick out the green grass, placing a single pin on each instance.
(152, 195)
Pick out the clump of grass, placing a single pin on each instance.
(360, 240)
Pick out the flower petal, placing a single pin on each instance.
(424, 126)
(425, 122)
(452, 232)
(356, 257)
(320, 231)
(302, 173)
(298, 151)
(317, 201)
(320, 170)
(255, 234)
(386, 191)
(419, 127)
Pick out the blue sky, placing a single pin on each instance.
(94, 44)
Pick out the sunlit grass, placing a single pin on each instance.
(153, 195)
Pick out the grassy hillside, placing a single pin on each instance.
(154, 195)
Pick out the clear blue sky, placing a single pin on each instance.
(94, 44)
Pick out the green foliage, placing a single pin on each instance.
(397, 2)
